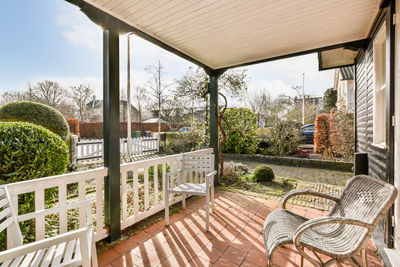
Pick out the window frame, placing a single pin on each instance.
(380, 87)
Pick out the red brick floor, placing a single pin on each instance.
(235, 238)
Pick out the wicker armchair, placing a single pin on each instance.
(342, 234)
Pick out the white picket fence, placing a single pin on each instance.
(89, 149)
(141, 192)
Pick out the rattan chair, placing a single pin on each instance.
(341, 235)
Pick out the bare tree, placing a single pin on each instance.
(80, 96)
(8, 97)
(158, 88)
(49, 93)
(190, 89)
(140, 98)
(260, 102)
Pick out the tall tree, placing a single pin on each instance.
(49, 93)
(330, 99)
(191, 88)
(158, 88)
(80, 96)
(140, 99)
(232, 85)
(260, 103)
(8, 97)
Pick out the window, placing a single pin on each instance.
(379, 101)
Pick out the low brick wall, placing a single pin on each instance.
(300, 162)
(95, 129)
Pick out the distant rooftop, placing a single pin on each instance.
(154, 120)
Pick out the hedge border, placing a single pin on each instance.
(298, 162)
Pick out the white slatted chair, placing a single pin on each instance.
(192, 163)
(74, 248)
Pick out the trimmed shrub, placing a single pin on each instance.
(263, 173)
(36, 113)
(341, 133)
(28, 151)
(73, 126)
(321, 134)
(243, 138)
(334, 134)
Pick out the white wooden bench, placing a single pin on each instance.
(73, 248)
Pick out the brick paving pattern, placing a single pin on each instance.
(235, 237)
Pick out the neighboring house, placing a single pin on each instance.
(344, 84)
(93, 111)
(316, 101)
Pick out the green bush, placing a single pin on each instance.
(263, 173)
(28, 151)
(36, 113)
(185, 142)
(284, 139)
(243, 138)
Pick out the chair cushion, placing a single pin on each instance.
(189, 188)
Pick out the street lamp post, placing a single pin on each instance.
(304, 100)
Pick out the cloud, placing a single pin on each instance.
(79, 30)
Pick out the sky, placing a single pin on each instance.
(53, 40)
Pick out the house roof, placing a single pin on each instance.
(155, 120)
(346, 73)
(226, 33)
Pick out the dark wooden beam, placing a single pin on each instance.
(359, 44)
(111, 133)
(214, 109)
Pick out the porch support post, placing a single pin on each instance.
(111, 132)
(213, 89)
(214, 120)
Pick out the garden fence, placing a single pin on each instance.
(90, 149)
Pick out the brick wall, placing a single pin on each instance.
(94, 130)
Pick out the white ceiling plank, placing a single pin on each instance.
(224, 33)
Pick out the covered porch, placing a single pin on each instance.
(217, 36)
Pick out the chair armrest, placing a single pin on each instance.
(44, 243)
(211, 174)
(306, 192)
(310, 224)
(210, 177)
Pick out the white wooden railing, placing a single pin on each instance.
(139, 197)
(93, 148)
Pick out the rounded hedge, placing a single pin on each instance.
(29, 151)
(263, 173)
(36, 113)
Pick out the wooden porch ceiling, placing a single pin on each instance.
(227, 33)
